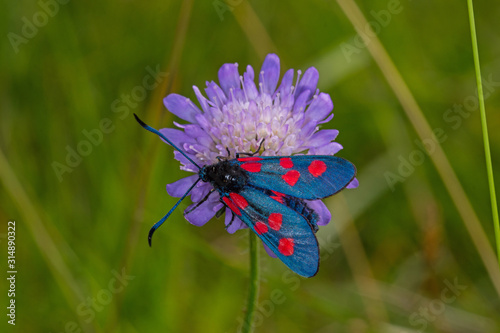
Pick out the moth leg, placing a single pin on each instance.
(232, 220)
(220, 212)
(200, 202)
(255, 152)
(221, 158)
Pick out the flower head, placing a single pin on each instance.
(238, 115)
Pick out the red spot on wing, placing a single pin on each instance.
(277, 198)
(250, 159)
(278, 193)
(291, 177)
(275, 220)
(251, 166)
(231, 205)
(286, 162)
(317, 168)
(238, 200)
(260, 228)
(286, 246)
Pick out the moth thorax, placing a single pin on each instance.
(225, 176)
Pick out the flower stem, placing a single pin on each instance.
(489, 168)
(253, 290)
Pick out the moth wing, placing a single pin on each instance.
(307, 177)
(286, 232)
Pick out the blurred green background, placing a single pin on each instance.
(398, 256)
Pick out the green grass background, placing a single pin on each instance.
(386, 254)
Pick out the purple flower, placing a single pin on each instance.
(238, 115)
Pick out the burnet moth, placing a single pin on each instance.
(268, 194)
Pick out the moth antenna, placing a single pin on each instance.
(159, 223)
(152, 130)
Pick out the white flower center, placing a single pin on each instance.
(240, 126)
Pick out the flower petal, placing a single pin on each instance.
(353, 184)
(327, 119)
(200, 191)
(203, 101)
(301, 102)
(324, 215)
(269, 251)
(322, 137)
(237, 223)
(179, 188)
(201, 136)
(320, 107)
(218, 207)
(203, 122)
(285, 87)
(309, 128)
(270, 73)
(182, 107)
(204, 212)
(249, 84)
(229, 78)
(177, 137)
(328, 149)
(215, 94)
(187, 165)
(308, 82)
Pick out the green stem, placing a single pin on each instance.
(253, 290)
(489, 167)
